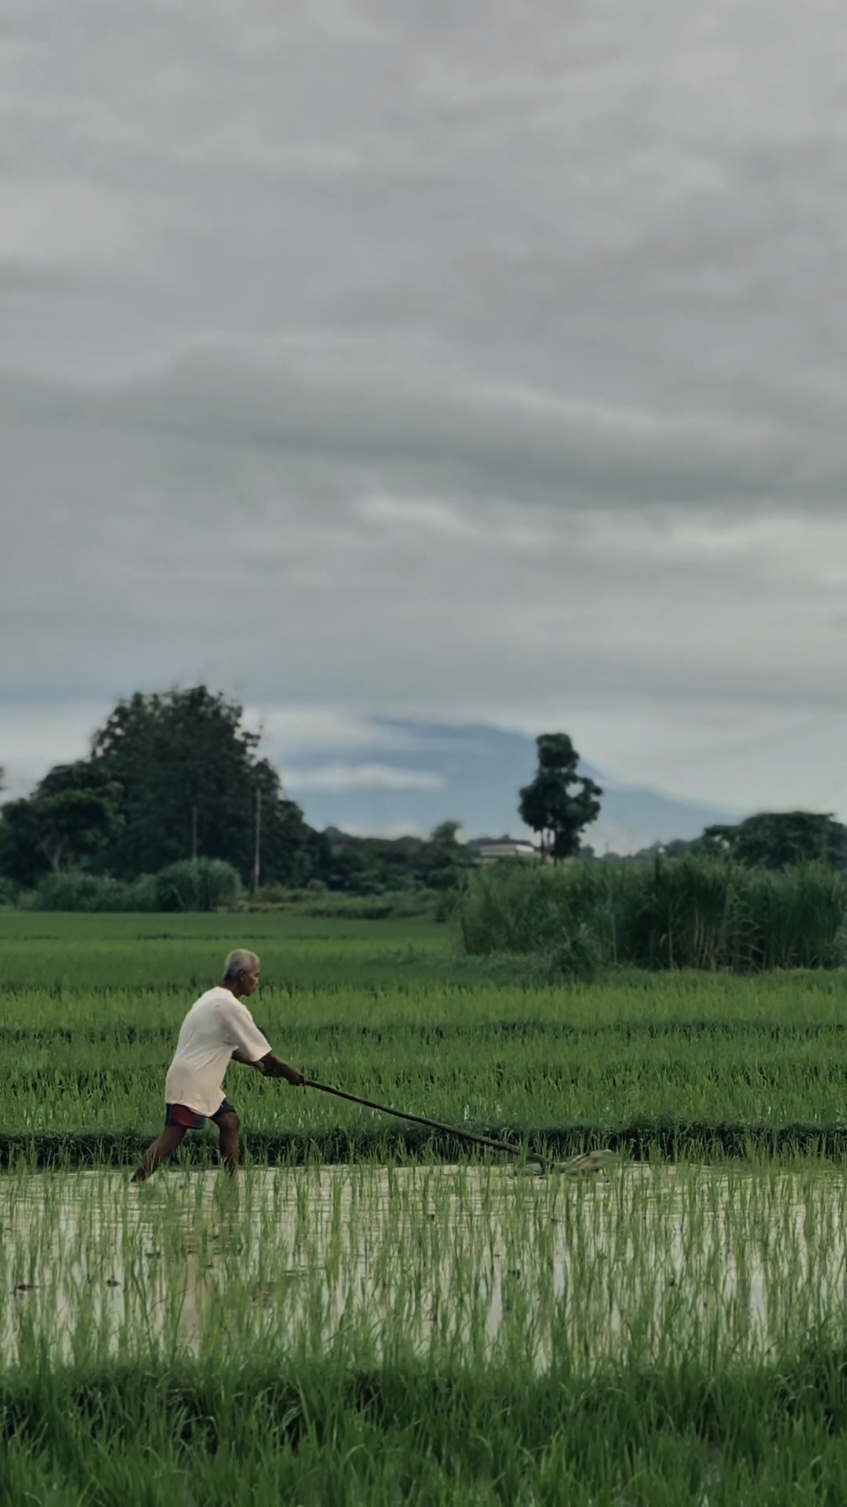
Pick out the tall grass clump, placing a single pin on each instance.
(202, 884)
(206, 884)
(677, 913)
(91, 893)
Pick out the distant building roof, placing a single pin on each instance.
(489, 852)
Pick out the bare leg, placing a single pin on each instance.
(229, 1126)
(167, 1143)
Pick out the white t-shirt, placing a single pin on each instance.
(211, 1031)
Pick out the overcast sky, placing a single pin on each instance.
(459, 360)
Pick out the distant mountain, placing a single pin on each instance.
(425, 773)
(633, 818)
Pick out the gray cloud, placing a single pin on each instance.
(344, 777)
(413, 425)
(464, 360)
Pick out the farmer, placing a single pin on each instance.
(218, 1029)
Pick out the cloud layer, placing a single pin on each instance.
(467, 362)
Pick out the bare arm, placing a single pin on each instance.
(272, 1067)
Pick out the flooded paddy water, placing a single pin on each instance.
(397, 1259)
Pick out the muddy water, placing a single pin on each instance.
(476, 1258)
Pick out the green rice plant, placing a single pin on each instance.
(424, 1334)
(640, 1066)
(360, 1316)
(465, 1264)
(685, 1063)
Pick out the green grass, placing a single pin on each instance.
(380, 1335)
(395, 1330)
(169, 952)
(388, 1010)
(680, 913)
(322, 1435)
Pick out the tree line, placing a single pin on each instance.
(175, 776)
(559, 804)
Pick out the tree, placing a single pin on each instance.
(446, 833)
(192, 785)
(73, 826)
(372, 865)
(558, 803)
(170, 776)
(53, 832)
(22, 858)
(778, 839)
(78, 811)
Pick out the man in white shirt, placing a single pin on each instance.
(217, 1030)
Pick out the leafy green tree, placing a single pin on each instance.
(73, 827)
(778, 839)
(371, 865)
(170, 777)
(351, 867)
(446, 833)
(53, 832)
(559, 804)
(82, 775)
(193, 786)
(22, 857)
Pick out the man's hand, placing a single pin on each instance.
(273, 1067)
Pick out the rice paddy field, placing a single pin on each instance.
(367, 1314)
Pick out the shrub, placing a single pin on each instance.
(89, 892)
(205, 885)
(201, 884)
(679, 913)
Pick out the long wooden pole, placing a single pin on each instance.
(462, 1135)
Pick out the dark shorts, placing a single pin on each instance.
(180, 1114)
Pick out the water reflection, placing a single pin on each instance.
(465, 1256)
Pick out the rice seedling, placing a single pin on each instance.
(469, 1263)
(404, 1324)
(684, 1063)
(609, 1301)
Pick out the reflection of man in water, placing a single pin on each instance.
(217, 1030)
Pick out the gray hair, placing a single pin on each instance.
(239, 962)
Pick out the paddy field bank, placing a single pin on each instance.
(368, 1313)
